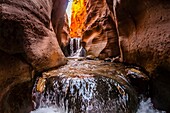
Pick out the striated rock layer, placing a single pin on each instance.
(100, 32)
(137, 30)
(64, 36)
(28, 41)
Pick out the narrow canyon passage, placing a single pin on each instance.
(104, 56)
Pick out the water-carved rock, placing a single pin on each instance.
(28, 41)
(144, 38)
(100, 33)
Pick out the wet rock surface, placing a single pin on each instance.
(88, 86)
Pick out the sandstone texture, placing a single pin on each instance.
(137, 32)
(65, 34)
(65, 37)
(144, 39)
(100, 33)
(28, 40)
(144, 33)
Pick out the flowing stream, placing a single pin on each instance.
(145, 107)
(89, 86)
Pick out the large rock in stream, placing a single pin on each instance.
(88, 86)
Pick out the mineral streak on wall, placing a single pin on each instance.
(78, 18)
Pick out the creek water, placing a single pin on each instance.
(145, 107)
(89, 86)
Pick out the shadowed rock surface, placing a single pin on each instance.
(144, 37)
(28, 40)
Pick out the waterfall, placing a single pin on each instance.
(78, 43)
(89, 86)
(71, 46)
(76, 49)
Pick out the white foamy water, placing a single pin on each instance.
(147, 107)
(48, 110)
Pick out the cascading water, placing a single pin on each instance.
(76, 49)
(71, 46)
(89, 86)
(86, 87)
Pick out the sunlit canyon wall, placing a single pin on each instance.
(91, 20)
(78, 18)
(139, 29)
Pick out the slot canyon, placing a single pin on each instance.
(108, 56)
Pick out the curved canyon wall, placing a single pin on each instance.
(136, 31)
(144, 38)
(28, 40)
(100, 32)
(144, 32)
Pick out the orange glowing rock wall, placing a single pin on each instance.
(78, 18)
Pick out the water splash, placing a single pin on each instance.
(87, 94)
(49, 110)
(146, 106)
(71, 46)
(89, 87)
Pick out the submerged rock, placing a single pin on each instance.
(41, 84)
(138, 80)
(90, 57)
